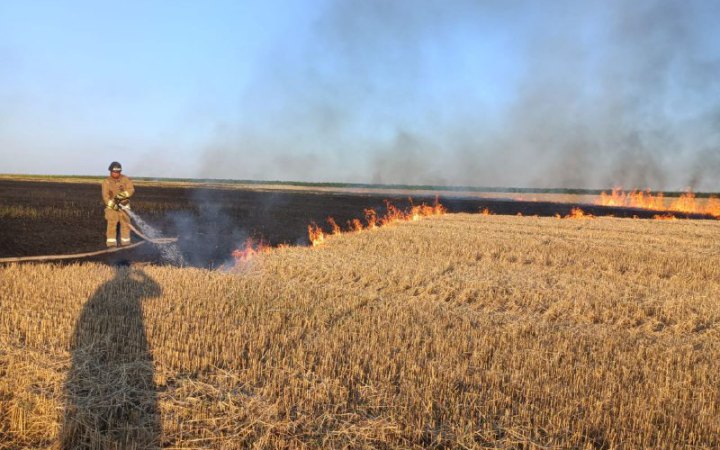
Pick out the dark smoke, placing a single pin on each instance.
(606, 93)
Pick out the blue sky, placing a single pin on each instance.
(554, 94)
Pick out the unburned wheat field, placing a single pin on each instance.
(460, 331)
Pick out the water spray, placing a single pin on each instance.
(169, 250)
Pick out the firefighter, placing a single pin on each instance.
(116, 190)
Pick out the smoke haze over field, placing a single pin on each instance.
(488, 93)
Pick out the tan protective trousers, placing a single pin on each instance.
(113, 218)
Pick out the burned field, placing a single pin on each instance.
(48, 218)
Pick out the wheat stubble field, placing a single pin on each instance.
(460, 331)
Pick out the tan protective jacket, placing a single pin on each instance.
(111, 187)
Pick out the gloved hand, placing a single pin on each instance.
(112, 204)
(122, 198)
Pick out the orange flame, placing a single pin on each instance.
(686, 203)
(438, 209)
(392, 215)
(577, 213)
(315, 234)
(371, 219)
(713, 206)
(333, 225)
(634, 199)
(664, 217)
(249, 250)
(355, 225)
(486, 212)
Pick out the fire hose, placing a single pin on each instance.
(157, 241)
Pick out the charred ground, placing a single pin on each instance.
(45, 218)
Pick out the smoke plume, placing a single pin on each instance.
(486, 93)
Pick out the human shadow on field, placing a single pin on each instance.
(110, 395)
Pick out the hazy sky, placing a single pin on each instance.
(488, 93)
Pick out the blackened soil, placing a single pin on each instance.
(49, 218)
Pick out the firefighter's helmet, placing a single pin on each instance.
(115, 167)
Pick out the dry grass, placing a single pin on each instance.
(455, 331)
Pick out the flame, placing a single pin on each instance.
(333, 225)
(315, 234)
(250, 249)
(438, 208)
(713, 206)
(372, 221)
(686, 203)
(392, 214)
(355, 225)
(633, 199)
(420, 211)
(577, 213)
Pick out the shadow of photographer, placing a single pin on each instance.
(111, 401)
